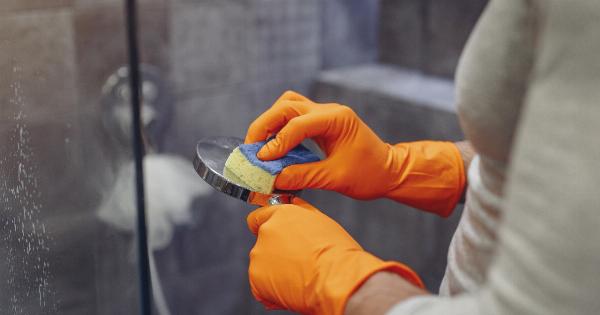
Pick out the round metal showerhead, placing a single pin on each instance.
(209, 162)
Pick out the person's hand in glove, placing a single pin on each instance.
(305, 262)
(428, 175)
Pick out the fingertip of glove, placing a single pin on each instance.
(285, 180)
(252, 222)
(263, 153)
(269, 151)
(258, 217)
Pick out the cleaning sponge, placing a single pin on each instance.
(245, 169)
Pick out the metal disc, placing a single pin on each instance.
(209, 162)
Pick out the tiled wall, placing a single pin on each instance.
(426, 35)
(231, 59)
(349, 32)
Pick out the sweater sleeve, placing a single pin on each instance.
(548, 256)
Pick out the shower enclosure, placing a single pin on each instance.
(69, 243)
(57, 162)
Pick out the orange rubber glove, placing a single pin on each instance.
(428, 175)
(305, 262)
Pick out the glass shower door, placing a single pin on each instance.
(67, 237)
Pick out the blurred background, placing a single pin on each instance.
(209, 67)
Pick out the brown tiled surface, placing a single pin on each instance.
(8, 6)
(36, 62)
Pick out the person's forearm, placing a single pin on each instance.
(380, 293)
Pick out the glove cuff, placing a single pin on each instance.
(348, 280)
(432, 176)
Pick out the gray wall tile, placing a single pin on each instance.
(208, 45)
(349, 32)
(284, 47)
(426, 35)
(401, 35)
(218, 114)
(400, 105)
(449, 24)
(233, 60)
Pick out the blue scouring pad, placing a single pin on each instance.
(245, 169)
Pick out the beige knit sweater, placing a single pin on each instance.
(528, 88)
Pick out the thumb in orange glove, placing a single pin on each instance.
(304, 261)
(428, 175)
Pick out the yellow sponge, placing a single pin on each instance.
(245, 169)
(240, 171)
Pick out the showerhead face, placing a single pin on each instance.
(209, 162)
